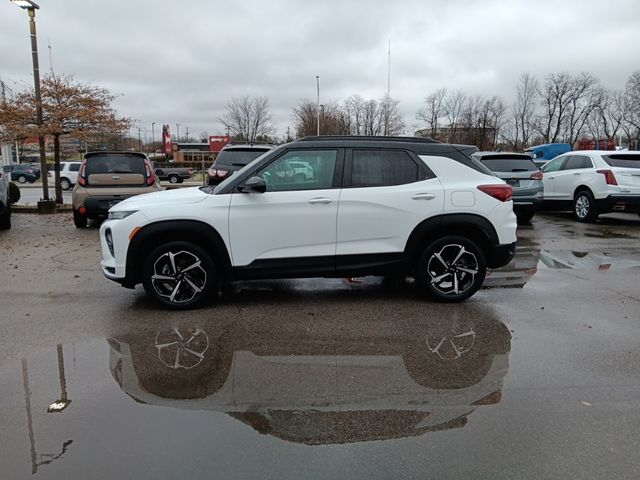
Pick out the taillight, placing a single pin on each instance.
(536, 175)
(221, 173)
(82, 180)
(150, 177)
(609, 177)
(499, 192)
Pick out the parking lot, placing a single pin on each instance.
(535, 380)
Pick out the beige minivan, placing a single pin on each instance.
(106, 178)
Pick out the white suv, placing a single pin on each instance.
(593, 182)
(374, 206)
(68, 174)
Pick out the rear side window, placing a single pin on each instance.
(379, 168)
(509, 164)
(74, 167)
(115, 164)
(575, 162)
(238, 157)
(623, 161)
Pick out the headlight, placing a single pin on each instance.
(119, 215)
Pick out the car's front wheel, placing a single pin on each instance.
(451, 269)
(65, 184)
(584, 207)
(179, 275)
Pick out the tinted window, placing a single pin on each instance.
(74, 167)
(554, 165)
(378, 168)
(575, 162)
(624, 161)
(509, 164)
(238, 157)
(110, 163)
(301, 170)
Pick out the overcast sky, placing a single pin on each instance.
(180, 61)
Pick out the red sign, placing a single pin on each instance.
(166, 140)
(217, 143)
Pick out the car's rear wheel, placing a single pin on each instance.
(584, 207)
(179, 275)
(21, 179)
(79, 220)
(174, 179)
(65, 184)
(524, 217)
(451, 269)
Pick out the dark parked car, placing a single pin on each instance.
(172, 174)
(519, 171)
(232, 158)
(24, 172)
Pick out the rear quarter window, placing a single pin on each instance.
(623, 161)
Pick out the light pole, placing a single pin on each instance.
(318, 106)
(31, 8)
(178, 131)
(153, 136)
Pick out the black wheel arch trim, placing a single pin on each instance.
(153, 234)
(428, 230)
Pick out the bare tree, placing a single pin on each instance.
(203, 136)
(333, 121)
(584, 97)
(434, 109)
(370, 118)
(454, 107)
(390, 118)
(248, 118)
(524, 109)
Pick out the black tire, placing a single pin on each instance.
(21, 179)
(584, 207)
(459, 264)
(176, 289)
(5, 218)
(524, 217)
(65, 184)
(79, 220)
(174, 179)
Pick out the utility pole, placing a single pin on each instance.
(139, 140)
(389, 71)
(153, 136)
(178, 131)
(187, 139)
(318, 106)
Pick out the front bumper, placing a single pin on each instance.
(501, 255)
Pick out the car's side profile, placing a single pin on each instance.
(593, 182)
(68, 174)
(373, 206)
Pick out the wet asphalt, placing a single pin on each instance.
(536, 376)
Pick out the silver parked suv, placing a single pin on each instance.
(519, 171)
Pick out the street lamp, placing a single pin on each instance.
(318, 106)
(153, 136)
(178, 131)
(31, 8)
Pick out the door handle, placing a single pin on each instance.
(424, 196)
(320, 201)
(576, 173)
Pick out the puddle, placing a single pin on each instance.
(581, 260)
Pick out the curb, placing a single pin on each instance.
(34, 209)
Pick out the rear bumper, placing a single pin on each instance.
(619, 203)
(501, 255)
(97, 206)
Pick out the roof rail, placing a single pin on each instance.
(366, 138)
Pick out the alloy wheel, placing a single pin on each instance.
(453, 269)
(583, 205)
(178, 277)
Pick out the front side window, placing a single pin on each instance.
(380, 168)
(554, 165)
(300, 170)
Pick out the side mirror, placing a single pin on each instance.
(254, 185)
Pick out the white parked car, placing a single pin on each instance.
(68, 174)
(593, 182)
(374, 206)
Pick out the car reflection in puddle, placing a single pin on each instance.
(605, 260)
(365, 379)
(518, 271)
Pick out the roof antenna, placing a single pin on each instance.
(389, 71)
